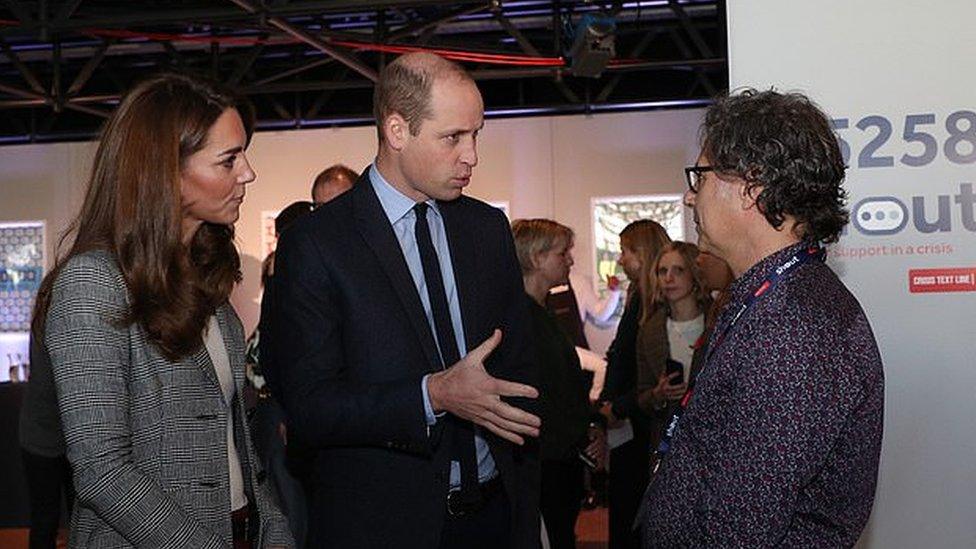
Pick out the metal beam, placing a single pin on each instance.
(245, 65)
(176, 16)
(304, 36)
(22, 93)
(67, 10)
(215, 60)
(700, 76)
(56, 97)
(324, 97)
(89, 69)
(88, 110)
(280, 109)
(637, 51)
(20, 11)
(512, 30)
(696, 36)
(25, 72)
(174, 54)
(291, 72)
(432, 24)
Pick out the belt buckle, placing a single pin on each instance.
(456, 506)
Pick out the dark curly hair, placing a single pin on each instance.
(781, 143)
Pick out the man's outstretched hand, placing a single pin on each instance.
(467, 391)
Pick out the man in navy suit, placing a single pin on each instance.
(402, 338)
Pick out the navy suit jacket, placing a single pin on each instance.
(352, 344)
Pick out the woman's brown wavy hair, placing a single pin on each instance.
(132, 209)
(645, 237)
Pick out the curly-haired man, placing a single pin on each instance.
(779, 440)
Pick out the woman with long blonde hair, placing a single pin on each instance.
(673, 321)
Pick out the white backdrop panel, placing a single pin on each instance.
(873, 64)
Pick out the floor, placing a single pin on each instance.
(591, 532)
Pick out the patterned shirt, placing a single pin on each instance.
(779, 445)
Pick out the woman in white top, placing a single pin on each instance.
(673, 321)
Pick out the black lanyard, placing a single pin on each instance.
(805, 255)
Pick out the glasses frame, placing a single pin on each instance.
(693, 176)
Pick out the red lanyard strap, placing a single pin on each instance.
(802, 256)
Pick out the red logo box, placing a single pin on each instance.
(942, 280)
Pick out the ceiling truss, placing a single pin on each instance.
(64, 64)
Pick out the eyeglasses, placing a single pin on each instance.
(694, 176)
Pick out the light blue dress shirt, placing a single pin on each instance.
(399, 210)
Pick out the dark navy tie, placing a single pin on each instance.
(463, 448)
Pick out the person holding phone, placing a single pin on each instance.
(672, 323)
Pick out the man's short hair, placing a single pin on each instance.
(337, 171)
(783, 144)
(404, 88)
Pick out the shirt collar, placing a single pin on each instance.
(755, 275)
(395, 204)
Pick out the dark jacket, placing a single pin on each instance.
(562, 389)
(779, 446)
(352, 344)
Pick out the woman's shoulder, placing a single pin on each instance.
(654, 327)
(91, 261)
(93, 268)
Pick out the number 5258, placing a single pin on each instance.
(959, 147)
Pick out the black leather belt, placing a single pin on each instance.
(459, 507)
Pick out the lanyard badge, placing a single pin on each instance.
(805, 255)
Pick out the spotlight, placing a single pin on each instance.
(593, 46)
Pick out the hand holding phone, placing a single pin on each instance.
(674, 367)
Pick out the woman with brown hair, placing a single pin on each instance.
(147, 353)
(640, 243)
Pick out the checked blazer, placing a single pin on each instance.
(146, 436)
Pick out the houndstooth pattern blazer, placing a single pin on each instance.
(146, 436)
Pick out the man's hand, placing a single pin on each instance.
(467, 391)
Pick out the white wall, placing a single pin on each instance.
(893, 59)
(543, 167)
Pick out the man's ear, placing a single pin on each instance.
(395, 131)
(749, 191)
(749, 196)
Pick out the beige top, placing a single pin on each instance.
(214, 342)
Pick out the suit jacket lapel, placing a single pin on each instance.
(202, 359)
(235, 354)
(375, 229)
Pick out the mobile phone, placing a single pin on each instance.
(586, 459)
(672, 366)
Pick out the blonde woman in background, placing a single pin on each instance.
(672, 324)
